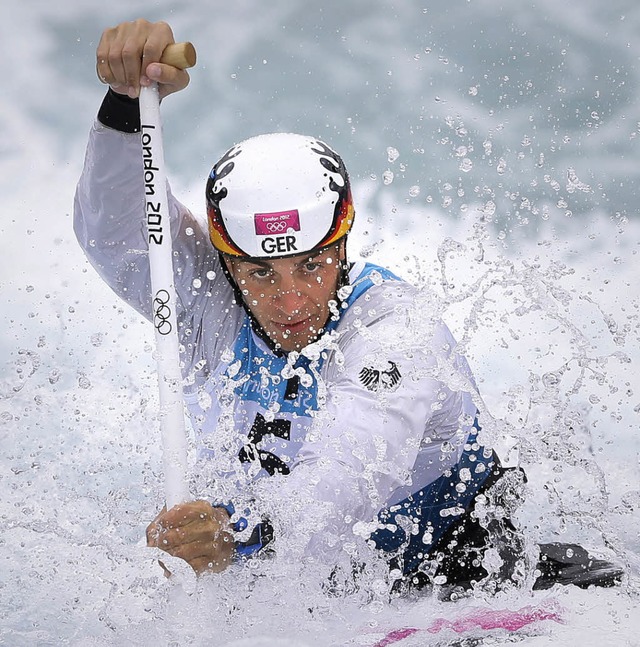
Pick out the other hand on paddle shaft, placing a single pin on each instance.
(196, 532)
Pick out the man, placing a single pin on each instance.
(327, 395)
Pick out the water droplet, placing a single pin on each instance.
(376, 277)
(392, 154)
(387, 177)
(345, 292)
(269, 416)
(465, 474)
(489, 208)
(306, 380)
(84, 382)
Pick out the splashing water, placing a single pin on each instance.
(547, 311)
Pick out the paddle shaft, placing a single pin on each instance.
(163, 295)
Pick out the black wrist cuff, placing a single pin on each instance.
(120, 112)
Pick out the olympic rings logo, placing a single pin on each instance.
(276, 227)
(162, 312)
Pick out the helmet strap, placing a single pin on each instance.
(345, 266)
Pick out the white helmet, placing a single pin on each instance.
(278, 195)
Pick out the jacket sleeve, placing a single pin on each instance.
(109, 223)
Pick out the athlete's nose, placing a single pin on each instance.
(291, 302)
(289, 299)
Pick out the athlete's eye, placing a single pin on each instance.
(260, 273)
(311, 267)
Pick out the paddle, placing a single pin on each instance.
(171, 413)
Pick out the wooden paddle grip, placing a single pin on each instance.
(180, 55)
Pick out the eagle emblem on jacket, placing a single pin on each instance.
(378, 379)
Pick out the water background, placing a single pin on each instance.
(493, 148)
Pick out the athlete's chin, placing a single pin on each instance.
(294, 341)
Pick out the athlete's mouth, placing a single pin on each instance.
(293, 326)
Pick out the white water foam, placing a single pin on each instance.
(512, 198)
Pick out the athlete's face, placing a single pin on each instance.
(289, 297)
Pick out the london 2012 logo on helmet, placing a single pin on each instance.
(278, 230)
(280, 222)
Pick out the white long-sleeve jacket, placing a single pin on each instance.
(377, 413)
